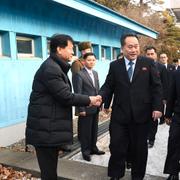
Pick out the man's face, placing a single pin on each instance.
(83, 52)
(67, 52)
(90, 61)
(151, 54)
(131, 48)
(163, 58)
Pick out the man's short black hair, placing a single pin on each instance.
(162, 53)
(149, 48)
(59, 40)
(175, 60)
(89, 54)
(124, 36)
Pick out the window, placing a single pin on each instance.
(103, 53)
(25, 46)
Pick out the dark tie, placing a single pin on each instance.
(130, 69)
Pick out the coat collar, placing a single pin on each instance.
(89, 78)
(63, 64)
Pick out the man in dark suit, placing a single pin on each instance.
(176, 63)
(172, 117)
(86, 82)
(151, 52)
(163, 58)
(131, 80)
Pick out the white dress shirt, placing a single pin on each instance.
(90, 72)
(127, 65)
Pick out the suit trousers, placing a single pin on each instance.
(47, 159)
(162, 117)
(153, 127)
(172, 163)
(88, 128)
(121, 136)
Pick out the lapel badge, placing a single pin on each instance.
(144, 68)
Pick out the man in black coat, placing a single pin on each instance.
(172, 117)
(176, 63)
(151, 52)
(49, 121)
(131, 80)
(163, 58)
(86, 82)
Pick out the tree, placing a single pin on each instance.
(114, 4)
(169, 36)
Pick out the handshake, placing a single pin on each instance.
(95, 100)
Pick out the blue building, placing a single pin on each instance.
(26, 27)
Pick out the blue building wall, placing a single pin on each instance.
(40, 20)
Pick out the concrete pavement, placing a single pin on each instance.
(67, 169)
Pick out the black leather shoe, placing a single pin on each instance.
(98, 152)
(86, 157)
(114, 178)
(173, 177)
(150, 144)
(128, 165)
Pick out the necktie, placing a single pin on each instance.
(92, 77)
(130, 70)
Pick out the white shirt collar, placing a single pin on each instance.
(88, 70)
(127, 62)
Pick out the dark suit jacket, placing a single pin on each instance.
(173, 103)
(164, 78)
(170, 69)
(133, 100)
(83, 84)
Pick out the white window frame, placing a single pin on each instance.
(92, 49)
(114, 53)
(76, 50)
(20, 55)
(48, 46)
(103, 53)
(1, 46)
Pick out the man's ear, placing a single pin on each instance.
(59, 50)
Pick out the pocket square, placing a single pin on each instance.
(144, 69)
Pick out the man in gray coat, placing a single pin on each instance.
(86, 82)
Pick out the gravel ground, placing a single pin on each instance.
(156, 155)
(8, 173)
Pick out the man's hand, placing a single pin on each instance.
(95, 100)
(107, 110)
(156, 115)
(82, 114)
(168, 121)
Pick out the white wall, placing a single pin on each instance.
(12, 134)
(175, 3)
